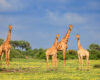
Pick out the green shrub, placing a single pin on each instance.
(94, 54)
(16, 54)
(40, 53)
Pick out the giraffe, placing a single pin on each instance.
(52, 52)
(81, 53)
(5, 47)
(62, 45)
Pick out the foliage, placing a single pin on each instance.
(94, 50)
(22, 49)
(70, 54)
(17, 53)
(1, 41)
(94, 47)
(18, 44)
(21, 44)
(40, 53)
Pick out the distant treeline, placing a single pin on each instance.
(22, 49)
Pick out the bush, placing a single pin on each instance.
(40, 53)
(16, 54)
(94, 54)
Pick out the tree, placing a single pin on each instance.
(1, 41)
(14, 44)
(21, 44)
(94, 50)
(24, 45)
(94, 47)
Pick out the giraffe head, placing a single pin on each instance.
(10, 27)
(57, 36)
(77, 36)
(70, 27)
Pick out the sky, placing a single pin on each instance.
(38, 21)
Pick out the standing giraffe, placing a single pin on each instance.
(5, 47)
(52, 52)
(62, 45)
(81, 53)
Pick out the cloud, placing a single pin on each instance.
(40, 30)
(60, 19)
(87, 25)
(64, 5)
(12, 5)
(4, 3)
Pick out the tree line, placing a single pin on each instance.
(18, 44)
(22, 49)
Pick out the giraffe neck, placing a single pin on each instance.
(55, 43)
(79, 44)
(67, 36)
(8, 37)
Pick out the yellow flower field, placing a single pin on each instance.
(34, 69)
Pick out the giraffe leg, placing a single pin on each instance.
(56, 60)
(8, 56)
(2, 56)
(79, 61)
(1, 59)
(87, 61)
(52, 61)
(82, 62)
(47, 57)
(64, 52)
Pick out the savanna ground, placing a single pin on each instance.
(34, 69)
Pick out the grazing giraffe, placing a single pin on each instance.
(5, 47)
(62, 45)
(52, 52)
(81, 53)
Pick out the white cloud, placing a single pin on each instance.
(4, 4)
(65, 18)
(23, 25)
(12, 5)
(87, 25)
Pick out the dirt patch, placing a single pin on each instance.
(19, 70)
(97, 66)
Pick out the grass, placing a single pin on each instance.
(34, 69)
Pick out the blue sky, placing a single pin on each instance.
(38, 21)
